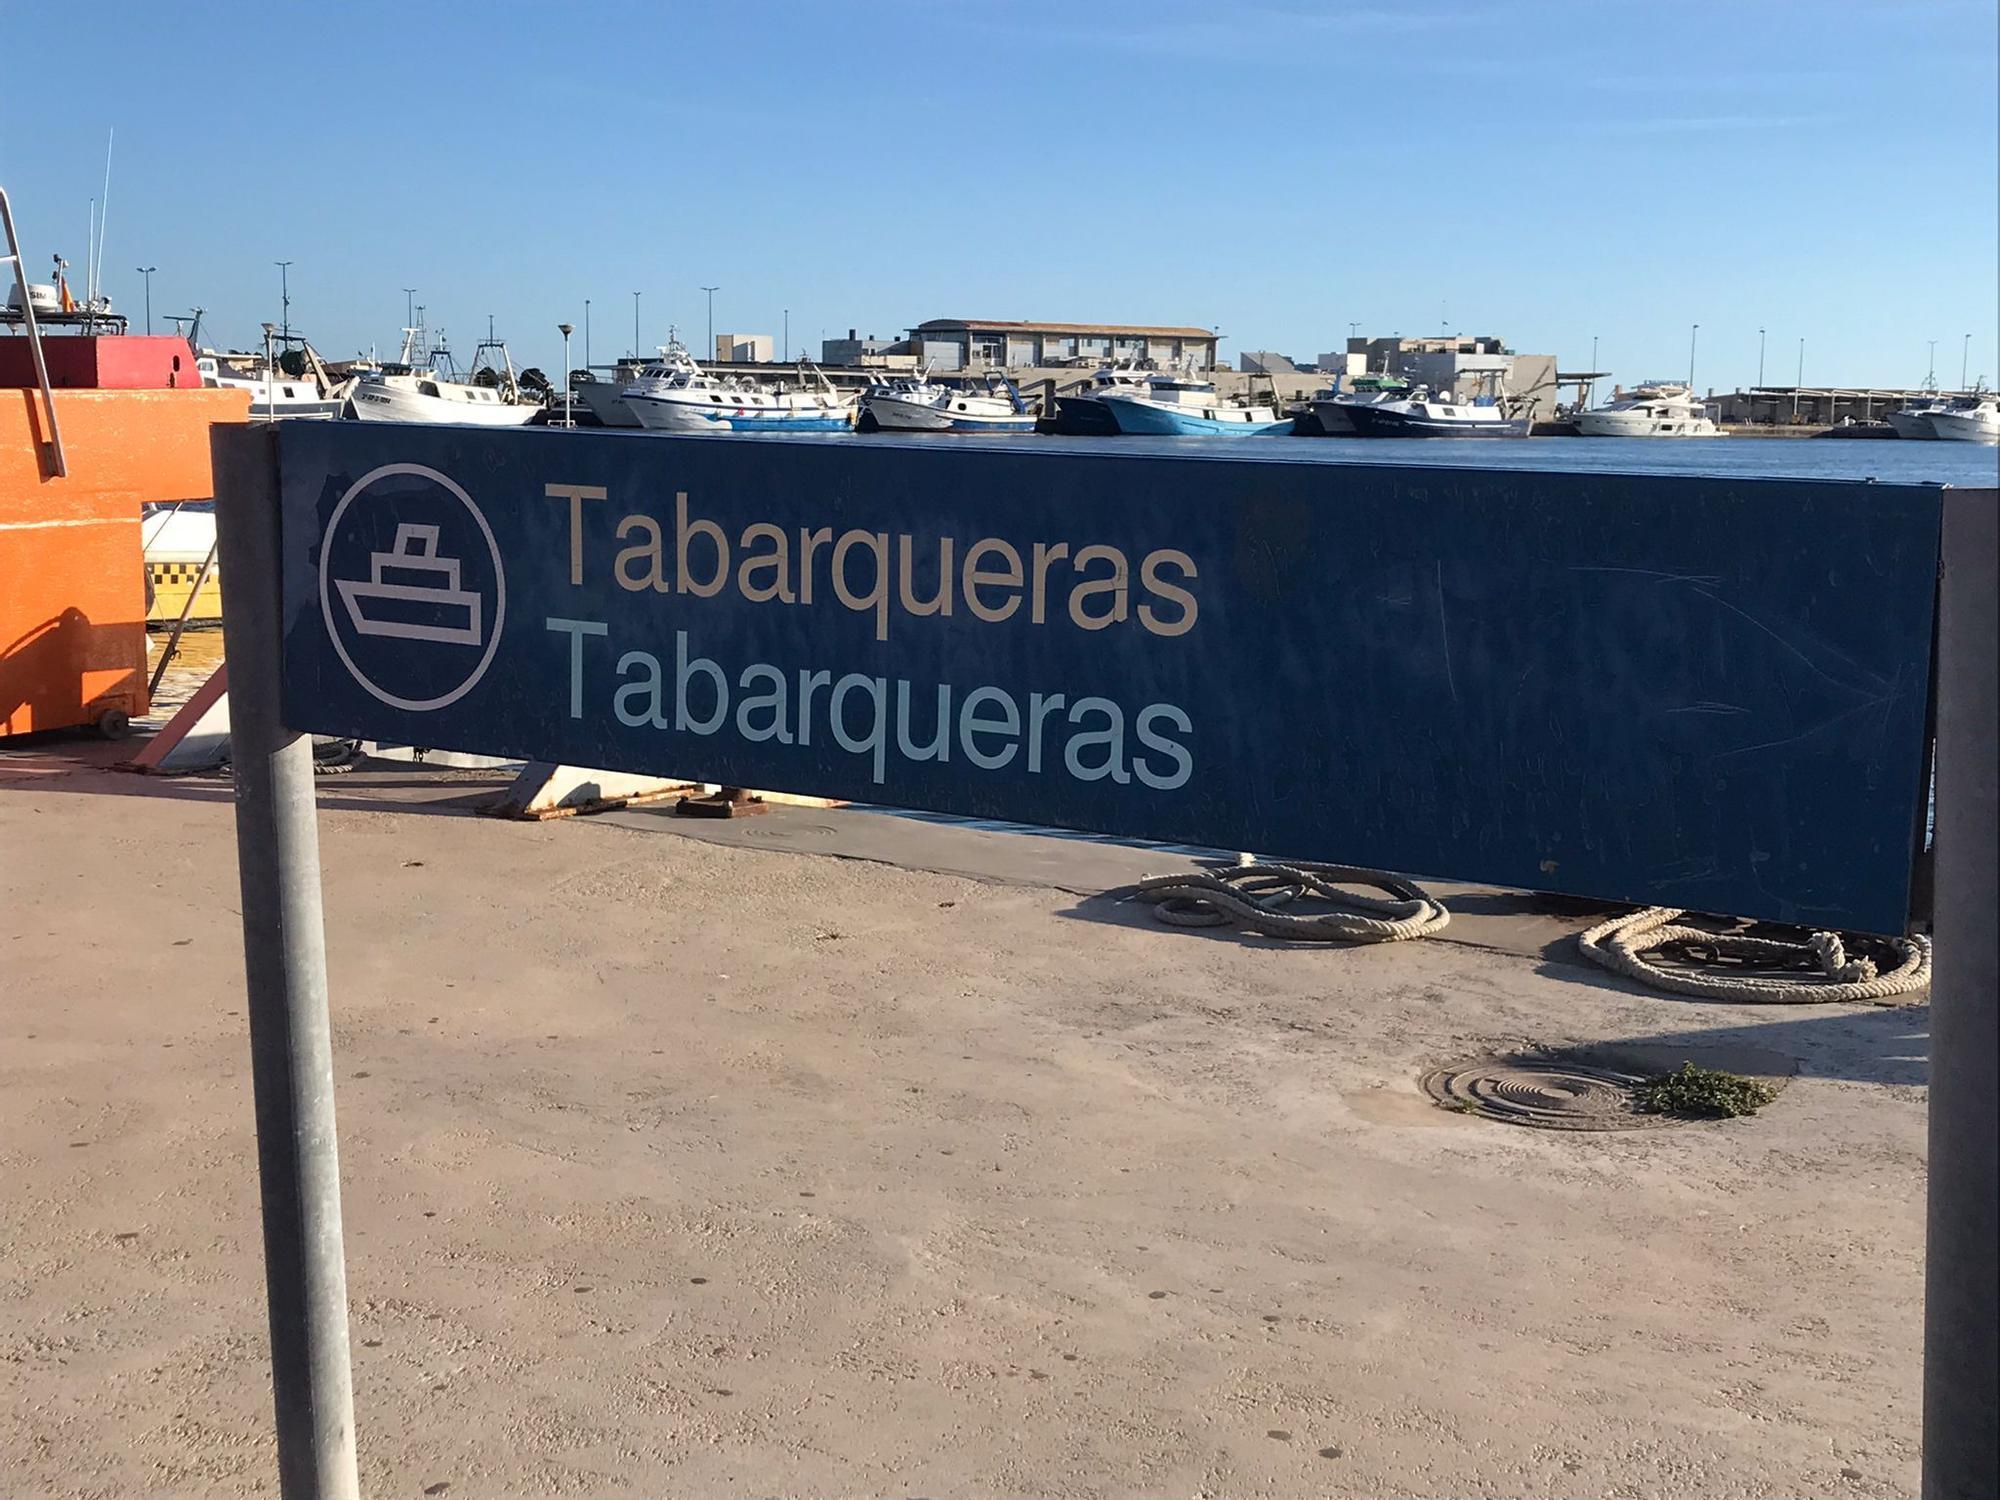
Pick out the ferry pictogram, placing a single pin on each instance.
(413, 594)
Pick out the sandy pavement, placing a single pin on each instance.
(675, 1169)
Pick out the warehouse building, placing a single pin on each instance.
(971, 343)
(1462, 367)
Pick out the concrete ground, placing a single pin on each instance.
(840, 1154)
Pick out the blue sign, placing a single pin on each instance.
(1696, 692)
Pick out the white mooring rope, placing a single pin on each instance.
(1824, 974)
(1254, 897)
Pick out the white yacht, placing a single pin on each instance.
(1968, 420)
(423, 386)
(1655, 409)
(674, 394)
(919, 404)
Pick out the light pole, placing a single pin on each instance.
(147, 272)
(270, 379)
(635, 325)
(1693, 334)
(788, 336)
(409, 306)
(1964, 361)
(586, 333)
(711, 290)
(1800, 381)
(569, 413)
(1760, 357)
(285, 294)
(1930, 374)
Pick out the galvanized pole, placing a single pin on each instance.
(284, 960)
(1961, 1295)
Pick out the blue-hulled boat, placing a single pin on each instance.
(1154, 403)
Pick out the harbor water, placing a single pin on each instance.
(1886, 461)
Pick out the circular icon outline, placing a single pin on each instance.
(413, 705)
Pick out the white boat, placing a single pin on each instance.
(1422, 415)
(674, 394)
(1082, 412)
(1969, 420)
(1655, 409)
(423, 386)
(1914, 419)
(919, 404)
(1181, 404)
(272, 393)
(604, 398)
(1328, 411)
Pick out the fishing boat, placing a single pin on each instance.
(423, 385)
(919, 404)
(603, 399)
(1973, 419)
(273, 393)
(1422, 415)
(1653, 409)
(674, 394)
(1083, 412)
(1326, 414)
(1182, 404)
(1913, 420)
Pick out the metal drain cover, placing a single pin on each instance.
(1555, 1093)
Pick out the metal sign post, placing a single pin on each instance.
(284, 961)
(1962, 1241)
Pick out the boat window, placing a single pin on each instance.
(715, 398)
(427, 387)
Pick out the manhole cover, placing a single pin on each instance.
(1556, 1093)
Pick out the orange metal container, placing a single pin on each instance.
(72, 577)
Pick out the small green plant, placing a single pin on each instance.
(1704, 1093)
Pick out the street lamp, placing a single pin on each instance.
(711, 290)
(1760, 357)
(147, 272)
(635, 325)
(1693, 334)
(586, 333)
(569, 412)
(285, 293)
(409, 306)
(270, 379)
(1800, 381)
(1964, 361)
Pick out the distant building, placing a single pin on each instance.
(1264, 362)
(972, 343)
(855, 350)
(1459, 366)
(744, 348)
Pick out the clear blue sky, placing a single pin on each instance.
(1547, 172)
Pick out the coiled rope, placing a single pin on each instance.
(1819, 970)
(1270, 899)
